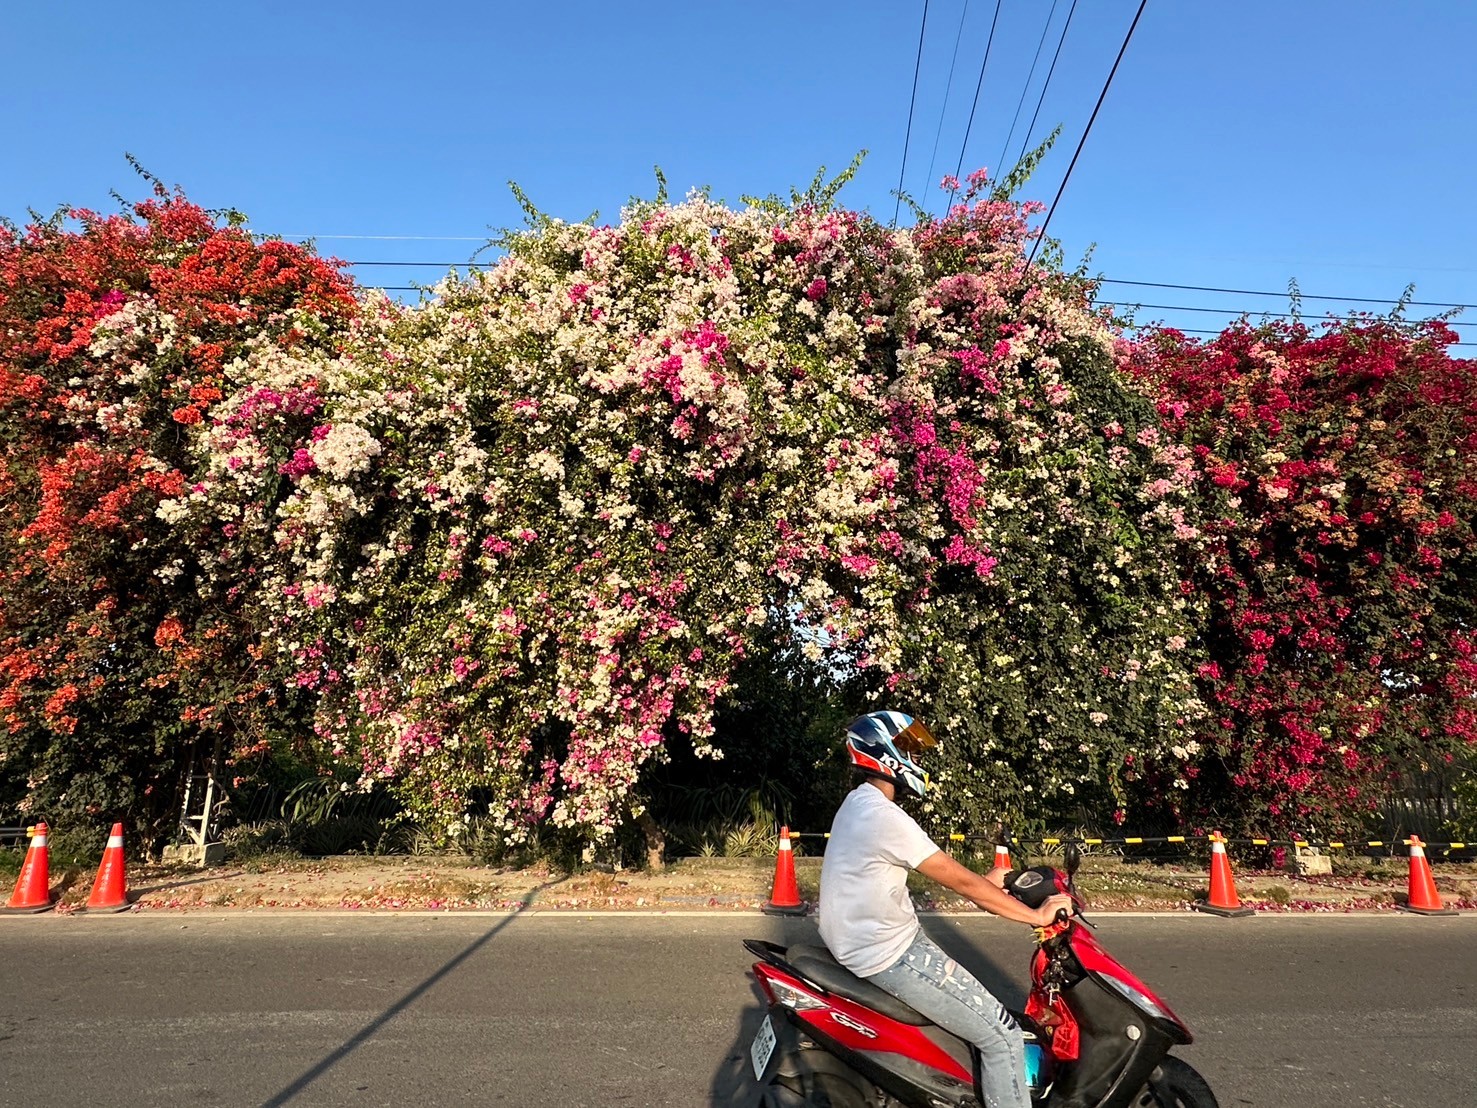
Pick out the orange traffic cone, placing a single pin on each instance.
(1424, 899)
(33, 888)
(108, 891)
(1002, 856)
(1223, 900)
(785, 899)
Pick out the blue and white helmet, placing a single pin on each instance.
(881, 744)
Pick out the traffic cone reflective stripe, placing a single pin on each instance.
(33, 887)
(785, 898)
(1222, 900)
(1423, 898)
(109, 894)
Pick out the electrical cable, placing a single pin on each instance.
(1133, 326)
(1041, 234)
(1301, 295)
(391, 238)
(999, 166)
(959, 166)
(1196, 331)
(1154, 284)
(1103, 281)
(912, 100)
(948, 88)
(1026, 142)
(1235, 311)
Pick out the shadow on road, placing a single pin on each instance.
(733, 1084)
(214, 875)
(58, 888)
(366, 1032)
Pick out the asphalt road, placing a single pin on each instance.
(628, 1011)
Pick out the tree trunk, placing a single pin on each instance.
(656, 841)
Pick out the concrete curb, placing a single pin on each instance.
(177, 914)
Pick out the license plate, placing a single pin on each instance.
(762, 1048)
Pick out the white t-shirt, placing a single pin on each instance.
(866, 916)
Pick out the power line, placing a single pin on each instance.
(1133, 326)
(976, 102)
(1026, 142)
(484, 239)
(999, 166)
(392, 238)
(912, 100)
(1268, 261)
(948, 88)
(1235, 311)
(1100, 280)
(1300, 294)
(1041, 235)
(1194, 331)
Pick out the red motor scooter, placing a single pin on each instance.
(1096, 1036)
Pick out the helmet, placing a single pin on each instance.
(881, 744)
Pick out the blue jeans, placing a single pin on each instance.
(929, 981)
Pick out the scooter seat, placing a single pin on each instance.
(816, 964)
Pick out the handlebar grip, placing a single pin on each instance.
(1062, 915)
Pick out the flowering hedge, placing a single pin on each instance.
(1339, 489)
(506, 549)
(115, 346)
(536, 521)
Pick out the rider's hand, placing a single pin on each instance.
(1046, 914)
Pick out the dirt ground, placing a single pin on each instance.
(693, 884)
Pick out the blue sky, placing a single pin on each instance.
(1241, 144)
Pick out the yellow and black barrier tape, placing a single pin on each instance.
(1138, 840)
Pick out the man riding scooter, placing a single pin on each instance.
(866, 915)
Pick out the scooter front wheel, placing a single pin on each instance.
(1176, 1084)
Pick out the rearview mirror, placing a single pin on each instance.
(1073, 859)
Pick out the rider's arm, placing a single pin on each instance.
(979, 888)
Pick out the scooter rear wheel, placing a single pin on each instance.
(824, 1091)
(1176, 1084)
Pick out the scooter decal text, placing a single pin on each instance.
(847, 1021)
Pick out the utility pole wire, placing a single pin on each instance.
(1200, 331)
(948, 88)
(1280, 295)
(999, 166)
(1026, 142)
(1233, 311)
(1107, 281)
(1041, 235)
(912, 100)
(977, 86)
(408, 238)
